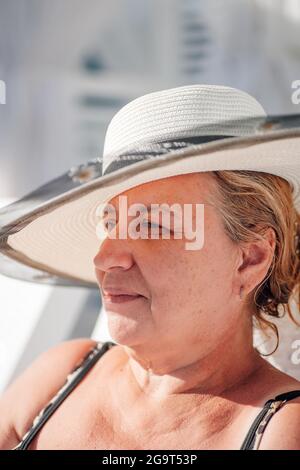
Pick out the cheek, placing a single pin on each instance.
(162, 268)
(180, 277)
(177, 283)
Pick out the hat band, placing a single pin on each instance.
(143, 152)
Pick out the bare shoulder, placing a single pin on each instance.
(283, 430)
(36, 385)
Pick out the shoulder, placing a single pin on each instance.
(283, 430)
(36, 385)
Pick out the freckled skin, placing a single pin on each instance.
(180, 285)
(192, 332)
(184, 374)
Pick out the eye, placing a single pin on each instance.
(149, 224)
(157, 228)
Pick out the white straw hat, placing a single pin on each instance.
(50, 235)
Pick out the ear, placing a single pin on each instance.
(256, 259)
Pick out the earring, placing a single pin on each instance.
(242, 292)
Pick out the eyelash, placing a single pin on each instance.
(147, 222)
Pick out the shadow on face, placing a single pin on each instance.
(185, 294)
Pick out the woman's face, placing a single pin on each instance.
(187, 296)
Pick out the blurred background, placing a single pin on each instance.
(68, 67)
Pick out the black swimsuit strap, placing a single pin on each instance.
(251, 440)
(73, 379)
(288, 395)
(258, 426)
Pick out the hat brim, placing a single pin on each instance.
(49, 236)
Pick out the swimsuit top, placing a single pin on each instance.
(251, 441)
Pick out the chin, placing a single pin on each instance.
(125, 332)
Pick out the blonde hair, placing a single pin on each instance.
(250, 202)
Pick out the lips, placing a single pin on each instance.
(118, 299)
(114, 291)
(114, 295)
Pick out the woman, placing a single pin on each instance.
(182, 372)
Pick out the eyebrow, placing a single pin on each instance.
(148, 208)
(108, 208)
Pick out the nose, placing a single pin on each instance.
(112, 254)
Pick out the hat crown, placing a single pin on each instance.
(182, 112)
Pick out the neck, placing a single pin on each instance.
(219, 371)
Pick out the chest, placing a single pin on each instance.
(93, 421)
(104, 412)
